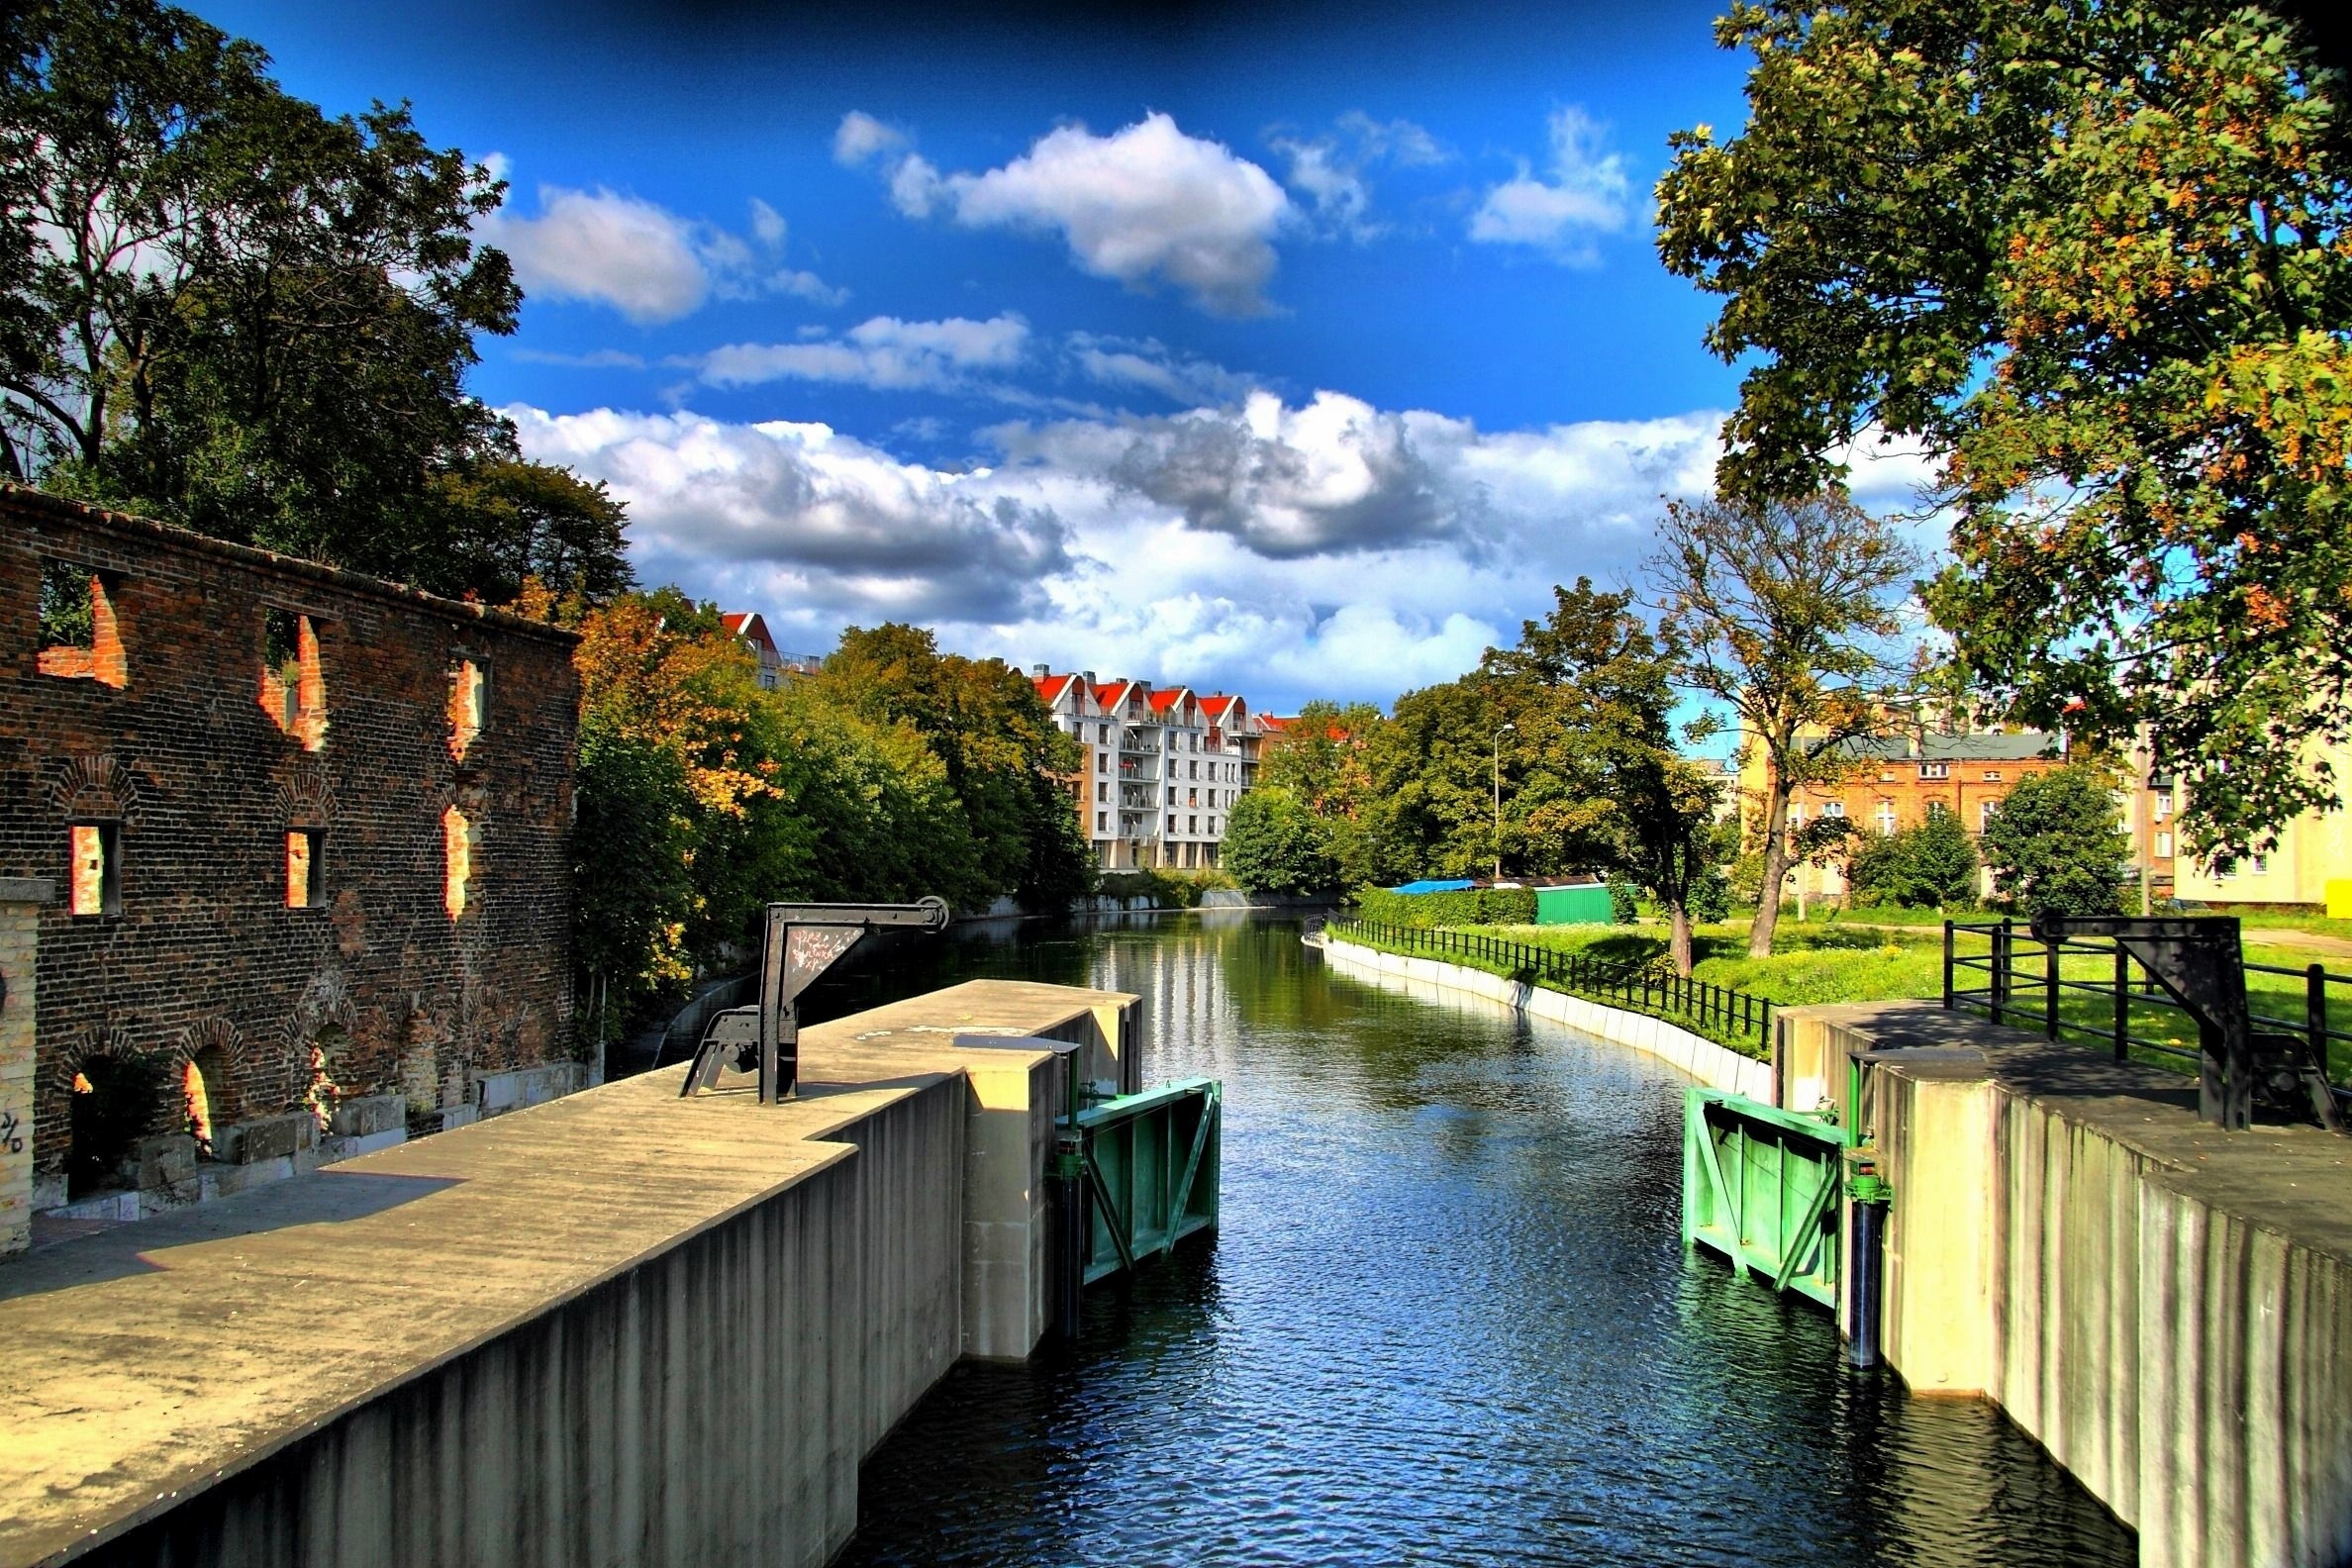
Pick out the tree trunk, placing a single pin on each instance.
(1776, 864)
(1677, 916)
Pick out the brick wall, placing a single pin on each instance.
(20, 907)
(205, 959)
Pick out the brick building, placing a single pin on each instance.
(304, 839)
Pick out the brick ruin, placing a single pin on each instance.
(306, 835)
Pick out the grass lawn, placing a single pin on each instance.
(1827, 961)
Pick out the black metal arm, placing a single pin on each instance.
(801, 942)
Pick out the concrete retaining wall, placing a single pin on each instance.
(1703, 1059)
(2165, 1307)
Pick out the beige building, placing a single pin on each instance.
(2310, 865)
(1163, 766)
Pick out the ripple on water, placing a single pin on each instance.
(1448, 1319)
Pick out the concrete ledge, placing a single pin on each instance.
(27, 890)
(2167, 1308)
(617, 1328)
(1702, 1058)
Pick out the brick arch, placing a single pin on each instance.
(93, 785)
(85, 1046)
(305, 796)
(210, 1042)
(325, 1006)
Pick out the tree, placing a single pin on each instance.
(1326, 758)
(1275, 844)
(223, 308)
(2091, 257)
(2055, 848)
(1782, 612)
(1932, 865)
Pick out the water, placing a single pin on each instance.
(1448, 1319)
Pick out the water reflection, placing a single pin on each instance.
(1448, 1319)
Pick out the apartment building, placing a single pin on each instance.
(2310, 865)
(1163, 766)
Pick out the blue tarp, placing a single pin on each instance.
(1427, 886)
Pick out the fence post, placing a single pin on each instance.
(1764, 1029)
(2050, 948)
(1947, 966)
(2315, 1014)
(2122, 1004)
(2001, 969)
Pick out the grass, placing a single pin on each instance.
(1826, 961)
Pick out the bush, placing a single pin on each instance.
(1709, 899)
(1930, 867)
(2054, 845)
(1469, 907)
(1624, 905)
(1275, 844)
(1167, 886)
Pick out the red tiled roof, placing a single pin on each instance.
(1161, 701)
(1270, 721)
(1214, 707)
(750, 625)
(1050, 687)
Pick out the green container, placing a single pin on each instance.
(1572, 905)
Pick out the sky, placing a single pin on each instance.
(1295, 350)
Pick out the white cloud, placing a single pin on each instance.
(1149, 364)
(884, 352)
(1329, 171)
(643, 261)
(1283, 551)
(1144, 205)
(861, 136)
(1585, 196)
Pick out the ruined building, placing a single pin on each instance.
(282, 863)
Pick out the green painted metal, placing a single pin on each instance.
(1153, 1171)
(1760, 1186)
(1572, 905)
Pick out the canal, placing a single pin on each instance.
(1448, 1319)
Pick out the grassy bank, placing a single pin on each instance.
(1826, 961)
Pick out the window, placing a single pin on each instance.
(80, 639)
(1102, 762)
(1935, 770)
(2256, 864)
(1985, 815)
(1936, 808)
(1102, 735)
(1796, 815)
(1835, 808)
(2163, 799)
(97, 868)
(469, 705)
(1102, 825)
(1171, 801)
(293, 688)
(459, 836)
(1191, 825)
(1885, 818)
(1212, 826)
(1103, 790)
(1992, 775)
(1196, 770)
(305, 883)
(1171, 827)
(2164, 845)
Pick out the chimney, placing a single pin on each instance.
(1043, 669)
(1087, 676)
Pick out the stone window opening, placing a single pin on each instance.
(79, 637)
(470, 705)
(97, 869)
(113, 1105)
(460, 840)
(305, 868)
(293, 686)
(203, 1080)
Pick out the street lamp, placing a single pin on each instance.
(1508, 729)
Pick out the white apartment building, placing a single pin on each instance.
(1163, 766)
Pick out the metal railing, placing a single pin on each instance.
(2107, 1000)
(685, 1027)
(1650, 987)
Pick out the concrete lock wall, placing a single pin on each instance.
(1705, 1061)
(620, 1327)
(2164, 1307)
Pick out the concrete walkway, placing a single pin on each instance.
(146, 1362)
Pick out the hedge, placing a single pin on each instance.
(1469, 907)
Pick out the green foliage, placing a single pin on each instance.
(1469, 907)
(2092, 259)
(1783, 611)
(1710, 899)
(1624, 903)
(1168, 887)
(1275, 844)
(632, 893)
(223, 308)
(66, 618)
(2054, 845)
(1930, 867)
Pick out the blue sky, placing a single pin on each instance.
(1294, 353)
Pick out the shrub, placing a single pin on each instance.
(1930, 867)
(1275, 844)
(1468, 906)
(1709, 899)
(2055, 848)
(1625, 907)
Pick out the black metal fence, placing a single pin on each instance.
(2089, 989)
(1653, 988)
